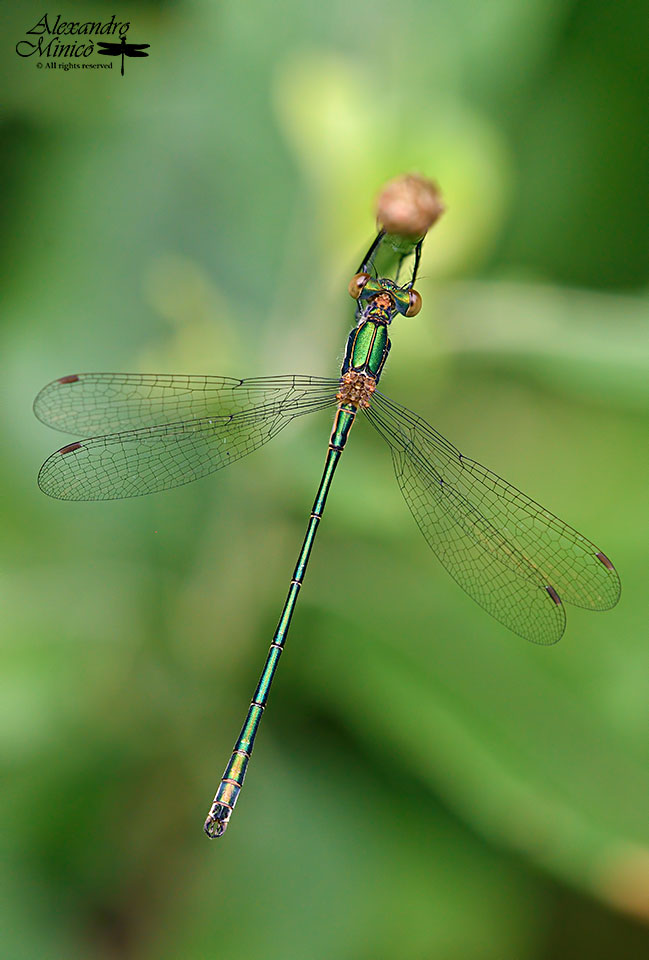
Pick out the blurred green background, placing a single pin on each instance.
(426, 786)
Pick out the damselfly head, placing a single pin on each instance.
(385, 293)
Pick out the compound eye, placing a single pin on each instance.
(415, 304)
(356, 284)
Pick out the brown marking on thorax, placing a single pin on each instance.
(383, 300)
(356, 388)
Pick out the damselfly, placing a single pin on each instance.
(151, 432)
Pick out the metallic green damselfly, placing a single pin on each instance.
(510, 554)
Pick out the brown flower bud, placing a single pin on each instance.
(409, 205)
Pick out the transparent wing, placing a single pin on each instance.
(170, 453)
(514, 557)
(93, 403)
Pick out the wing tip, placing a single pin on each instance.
(550, 640)
(44, 474)
(59, 382)
(615, 580)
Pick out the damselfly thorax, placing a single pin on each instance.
(368, 346)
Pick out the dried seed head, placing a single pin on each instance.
(409, 205)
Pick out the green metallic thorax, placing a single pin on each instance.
(368, 344)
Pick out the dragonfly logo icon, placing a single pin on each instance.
(123, 49)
